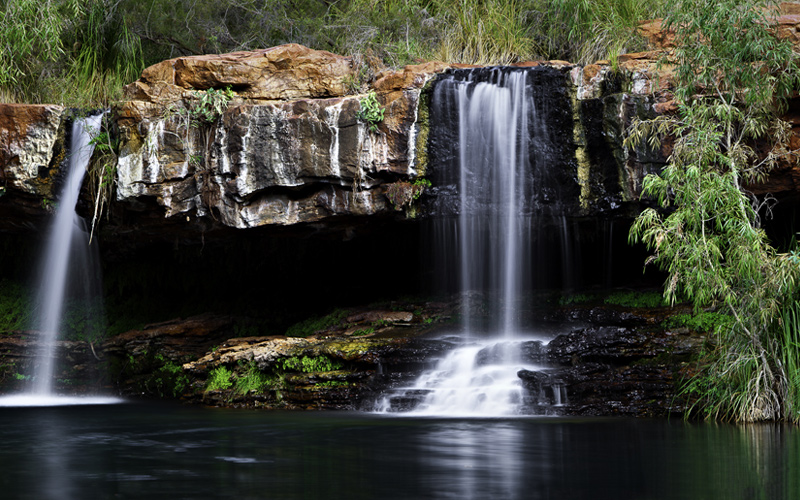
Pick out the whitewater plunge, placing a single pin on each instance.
(66, 276)
(502, 149)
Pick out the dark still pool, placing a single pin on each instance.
(141, 451)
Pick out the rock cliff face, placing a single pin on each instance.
(289, 147)
(31, 152)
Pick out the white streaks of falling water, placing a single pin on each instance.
(66, 227)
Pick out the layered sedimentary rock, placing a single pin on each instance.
(28, 137)
(289, 147)
(31, 152)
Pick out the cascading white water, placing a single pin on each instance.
(65, 260)
(497, 124)
(494, 178)
(66, 230)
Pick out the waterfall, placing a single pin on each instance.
(499, 170)
(67, 231)
(67, 275)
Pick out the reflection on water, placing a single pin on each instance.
(478, 460)
(143, 451)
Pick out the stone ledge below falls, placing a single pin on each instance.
(617, 361)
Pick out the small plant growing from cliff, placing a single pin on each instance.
(306, 364)
(103, 171)
(208, 107)
(371, 111)
(219, 379)
(363, 332)
(211, 105)
(252, 379)
(402, 194)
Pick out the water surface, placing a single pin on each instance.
(143, 451)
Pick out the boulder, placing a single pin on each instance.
(284, 72)
(28, 137)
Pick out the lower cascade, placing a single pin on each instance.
(503, 151)
(480, 378)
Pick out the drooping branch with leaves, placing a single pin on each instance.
(732, 79)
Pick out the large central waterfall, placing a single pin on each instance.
(496, 121)
(499, 170)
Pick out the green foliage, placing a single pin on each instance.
(219, 379)
(584, 31)
(419, 186)
(312, 325)
(306, 364)
(154, 374)
(30, 41)
(361, 332)
(71, 52)
(105, 56)
(211, 104)
(252, 380)
(371, 111)
(15, 306)
(487, 32)
(82, 52)
(788, 328)
(703, 321)
(170, 379)
(635, 299)
(732, 78)
(575, 298)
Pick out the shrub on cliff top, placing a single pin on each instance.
(82, 52)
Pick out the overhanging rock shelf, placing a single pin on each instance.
(290, 149)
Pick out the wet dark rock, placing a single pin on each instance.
(615, 370)
(544, 388)
(176, 340)
(604, 315)
(616, 344)
(527, 352)
(634, 390)
(80, 366)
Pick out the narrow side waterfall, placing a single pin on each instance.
(67, 279)
(67, 235)
(499, 174)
